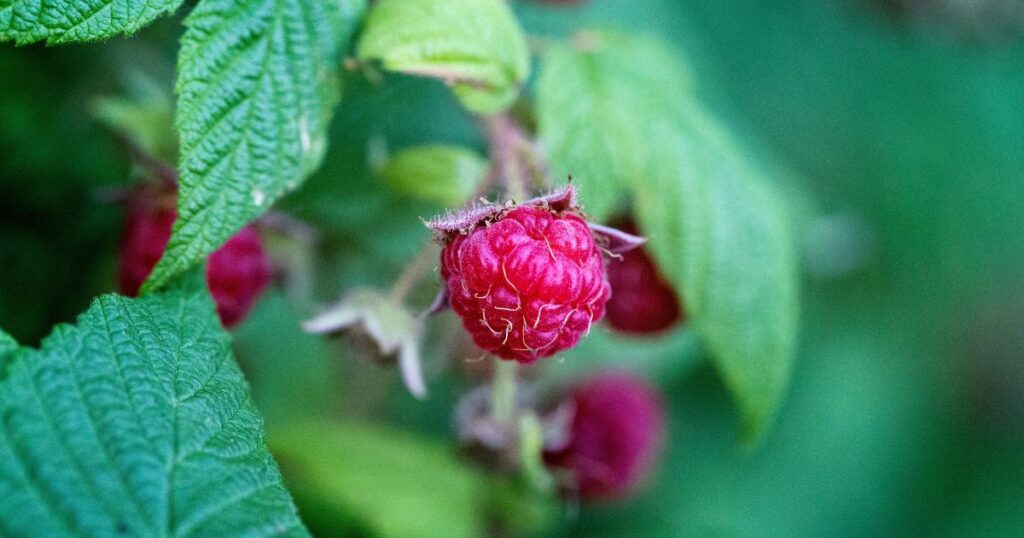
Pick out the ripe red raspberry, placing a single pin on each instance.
(236, 273)
(642, 301)
(615, 435)
(527, 282)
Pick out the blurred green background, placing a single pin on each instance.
(899, 129)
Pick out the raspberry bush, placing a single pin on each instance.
(136, 419)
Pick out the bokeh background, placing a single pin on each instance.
(898, 127)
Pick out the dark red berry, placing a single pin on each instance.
(237, 272)
(642, 301)
(527, 282)
(144, 236)
(614, 438)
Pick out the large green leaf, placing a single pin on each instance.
(66, 21)
(476, 46)
(256, 86)
(723, 237)
(396, 484)
(7, 348)
(615, 110)
(136, 422)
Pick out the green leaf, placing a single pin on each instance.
(617, 108)
(443, 174)
(7, 347)
(724, 238)
(397, 484)
(136, 422)
(68, 21)
(257, 82)
(594, 99)
(476, 46)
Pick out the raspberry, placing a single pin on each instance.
(236, 273)
(615, 435)
(527, 282)
(642, 301)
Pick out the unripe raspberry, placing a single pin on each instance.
(527, 282)
(614, 438)
(237, 272)
(642, 301)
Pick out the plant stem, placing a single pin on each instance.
(414, 272)
(503, 391)
(506, 140)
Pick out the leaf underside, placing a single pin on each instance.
(257, 82)
(475, 45)
(136, 422)
(69, 21)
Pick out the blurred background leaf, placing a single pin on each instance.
(616, 107)
(446, 175)
(394, 483)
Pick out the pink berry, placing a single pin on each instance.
(527, 283)
(642, 301)
(615, 435)
(237, 272)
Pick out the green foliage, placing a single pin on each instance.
(7, 347)
(616, 107)
(476, 46)
(136, 421)
(68, 21)
(446, 175)
(256, 87)
(661, 358)
(290, 370)
(145, 119)
(398, 484)
(595, 101)
(723, 238)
